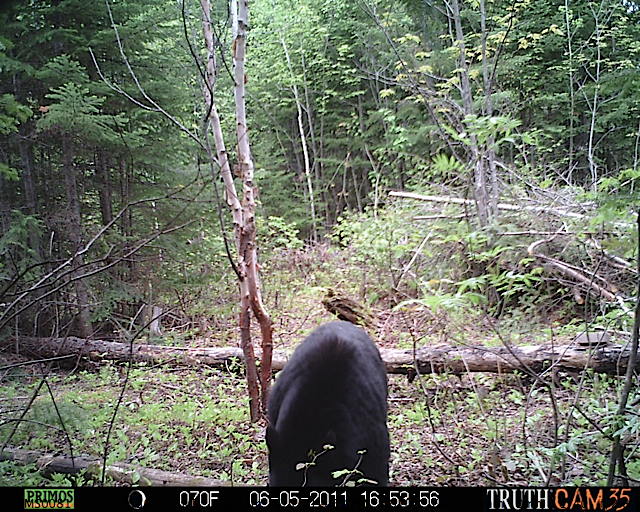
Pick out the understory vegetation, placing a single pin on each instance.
(469, 429)
(472, 430)
(466, 172)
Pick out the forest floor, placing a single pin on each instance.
(446, 430)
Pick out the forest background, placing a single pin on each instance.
(517, 123)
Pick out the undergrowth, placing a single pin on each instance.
(437, 285)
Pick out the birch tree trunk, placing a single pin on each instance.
(594, 105)
(243, 212)
(572, 101)
(303, 141)
(248, 253)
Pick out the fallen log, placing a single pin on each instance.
(601, 358)
(119, 471)
(610, 359)
(562, 212)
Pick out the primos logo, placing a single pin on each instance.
(48, 498)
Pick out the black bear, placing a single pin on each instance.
(333, 391)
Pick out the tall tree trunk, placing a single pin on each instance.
(243, 212)
(594, 105)
(125, 195)
(75, 236)
(374, 166)
(572, 100)
(31, 197)
(213, 122)
(314, 145)
(104, 186)
(488, 86)
(479, 171)
(29, 181)
(248, 242)
(323, 192)
(126, 219)
(303, 141)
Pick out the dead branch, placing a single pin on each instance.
(566, 269)
(501, 206)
